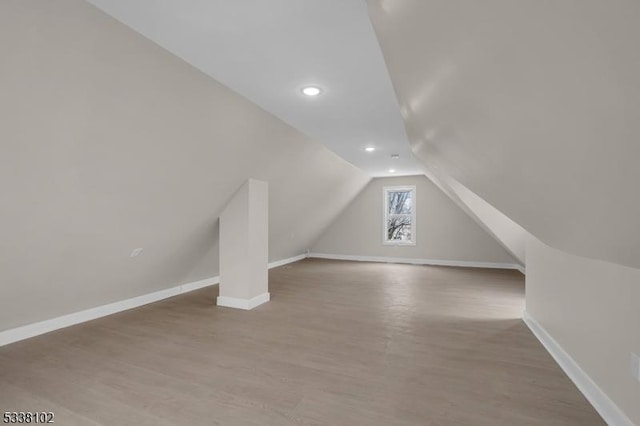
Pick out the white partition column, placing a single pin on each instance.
(244, 247)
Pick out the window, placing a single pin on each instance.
(399, 215)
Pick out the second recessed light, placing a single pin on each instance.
(311, 90)
(370, 149)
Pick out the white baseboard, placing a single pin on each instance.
(600, 401)
(38, 328)
(197, 285)
(246, 304)
(433, 262)
(35, 329)
(288, 260)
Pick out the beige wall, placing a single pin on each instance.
(244, 243)
(506, 231)
(445, 232)
(532, 105)
(110, 143)
(592, 309)
(509, 234)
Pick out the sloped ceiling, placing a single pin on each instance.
(534, 106)
(110, 143)
(443, 231)
(268, 50)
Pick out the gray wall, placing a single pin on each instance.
(509, 234)
(591, 309)
(445, 232)
(110, 143)
(541, 124)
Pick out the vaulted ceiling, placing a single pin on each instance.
(534, 106)
(268, 51)
(110, 143)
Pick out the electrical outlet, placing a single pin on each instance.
(135, 252)
(635, 366)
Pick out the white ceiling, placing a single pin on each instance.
(268, 50)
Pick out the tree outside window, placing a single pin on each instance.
(399, 215)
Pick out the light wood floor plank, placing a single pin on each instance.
(341, 343)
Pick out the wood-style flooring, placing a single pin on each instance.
(340, 343)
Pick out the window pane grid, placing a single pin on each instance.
(399, 215)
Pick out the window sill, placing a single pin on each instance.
(396, 243)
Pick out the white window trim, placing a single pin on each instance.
(385, 210)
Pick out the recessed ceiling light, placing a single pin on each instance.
(392, 170)
(370, 149)
(311, 90)
(395, 156)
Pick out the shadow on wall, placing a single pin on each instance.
(508, 233)
(197, 255)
